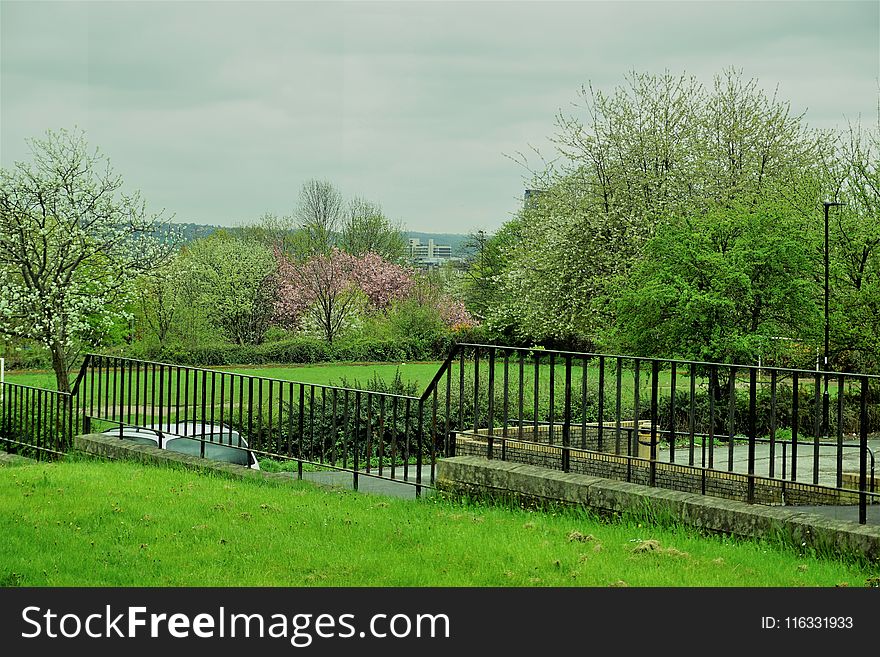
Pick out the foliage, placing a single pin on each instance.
(727, 286)
(71, 242)
(365, 229)
(326, 288)
(234, 285)
(655, 149)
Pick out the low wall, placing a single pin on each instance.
(476, 475)
(673, 476)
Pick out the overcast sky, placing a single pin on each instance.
(219, 111)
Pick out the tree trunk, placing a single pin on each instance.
(59, 365)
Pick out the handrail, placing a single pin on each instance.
(762, 368)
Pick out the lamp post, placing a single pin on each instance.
(827, 205)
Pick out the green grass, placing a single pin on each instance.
(90, 523)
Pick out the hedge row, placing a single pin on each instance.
(299, 350)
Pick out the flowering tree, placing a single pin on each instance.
(71, 244)
(380, 280)
(326, 287)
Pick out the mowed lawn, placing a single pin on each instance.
(98, 523)
(326, 374)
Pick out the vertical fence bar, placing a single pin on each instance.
(817, 426)
(128, 394)
(634, 434)
(333, 429)
(714, 385)
(290, 414)
(476, 390)
(369, 437)
(505, 414)
(753, 397)
(448, 445)
(692, 412)
(618, 402)
(406, 439)
(655, 376)
(250, 406)
(461, 422)
(322, 455)
(491, 410)
(520, 416)
(434, 434)
(840, 384)
(672, 428)
(393, 437)
(584, 370)
(551, 409)
(863, 452)
(268, 443)
(731, 420)
(535, 396)
(772, 466)
(177, 394)
(381, 447)
(795, 412)
(161, 395)
(420, 444)
(310, 454)
(113, 392)
(300, 438)
(820, 410)
(355, 442)
(566, 421)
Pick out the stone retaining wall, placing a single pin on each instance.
(672, 476)
(477, 475)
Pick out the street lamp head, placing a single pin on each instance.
(829, 204)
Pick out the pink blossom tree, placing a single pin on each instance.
(326, 287)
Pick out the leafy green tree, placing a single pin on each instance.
(234, 280)
(725, 286)
(854, 235)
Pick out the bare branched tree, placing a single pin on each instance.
(319, 214)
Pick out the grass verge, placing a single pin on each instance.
(92, 523)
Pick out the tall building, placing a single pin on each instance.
(430, 254)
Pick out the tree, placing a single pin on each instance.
(653, 150)
(855, 249)
(235, 283)
(720, 287)
(71, 243)
(321, 288)
(159, 299)
(327, 287)
(319, 214)
(365, 229)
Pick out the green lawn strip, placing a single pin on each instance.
(88, 523)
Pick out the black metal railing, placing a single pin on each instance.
(773, 426)
(393, 435)
(38, 422)
(643, 416)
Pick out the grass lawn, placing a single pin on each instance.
(92, 523)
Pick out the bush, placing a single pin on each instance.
(298, 350)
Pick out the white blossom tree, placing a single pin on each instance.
(71, 244)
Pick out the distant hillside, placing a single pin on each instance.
(191, 232)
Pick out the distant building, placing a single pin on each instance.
(428, 255)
